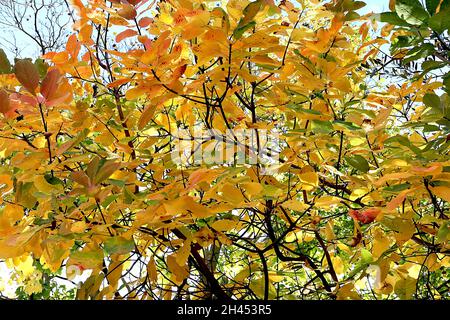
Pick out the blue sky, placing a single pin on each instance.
(376, 6)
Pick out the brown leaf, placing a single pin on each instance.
(27, 74)
(127, 12)
(5, 105)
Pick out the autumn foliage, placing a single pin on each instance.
(360, 189)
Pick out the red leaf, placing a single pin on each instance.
(178, 72)
(365, 216)
(50, 83)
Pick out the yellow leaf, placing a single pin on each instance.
(310, 180)
(348, 292)
(223, 225)
(186, 205)
(405, 288)
(327, 202)
(432, 262)
(42, 185)
(6, 183)
(329, 233)
(78, 227)
(56, 250)
(202, 175)
(114, 271)
(252, 188)
(338, 265)
(179, 273)
(380, 245)
(392, 176)
(442, 192)
(151, 270)
(398, 200)
(183, 253)
(231, 193)
(295, 205)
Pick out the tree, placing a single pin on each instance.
(233, 150)
(43, 23)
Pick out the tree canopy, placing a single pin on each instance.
(262, 149)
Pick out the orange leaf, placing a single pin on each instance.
(125, 34)
(146, 116)
(145, 22)
(81, 178)
(118, 82)
(73, 46)
(61, 58)
(85, 34)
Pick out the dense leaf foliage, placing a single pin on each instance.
(352, 201)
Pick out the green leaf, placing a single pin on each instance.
(411, 11)
(52, 179)
(432, 5)
(431, 100)
(5, 66)
(118, 245)
(303, 110)
(366, 256)
(352, 15)
(89, 259)
(346, 125)
(430, 128)
(109, 199)
(358, 162)
(404, 141)
(440, 21)
(443, 233)
(356, 5)
(239, 31)
(363, 263)
(251, 10)
(246, 22)
(397, 188)
(119, 183)
(392, 18)
(431, 65)
(321, 126)
(418, 53)
(42, 67)
(446, 82)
